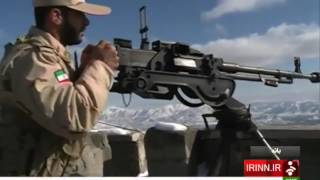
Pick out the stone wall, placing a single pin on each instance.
(168, 152)
(197, 153)
(128, 155)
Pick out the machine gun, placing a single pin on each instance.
(171, 69)
(160, 71)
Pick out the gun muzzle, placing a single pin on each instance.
(315, 77)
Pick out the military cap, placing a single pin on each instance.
(80, 5)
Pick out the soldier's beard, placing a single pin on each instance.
(70, 35)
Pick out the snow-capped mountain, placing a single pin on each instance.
(305, 113)
(298, 113)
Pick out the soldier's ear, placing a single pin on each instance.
(56, 16)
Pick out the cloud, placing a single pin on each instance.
(232, 6)
(221, 30)
(279, 44)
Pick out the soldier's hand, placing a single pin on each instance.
(102, 51)
(110, 54)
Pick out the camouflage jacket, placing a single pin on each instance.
(45, 113)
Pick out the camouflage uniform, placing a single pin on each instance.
(45, 113)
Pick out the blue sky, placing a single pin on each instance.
(251, 32)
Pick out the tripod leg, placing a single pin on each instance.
(221, 163)
(233, 116)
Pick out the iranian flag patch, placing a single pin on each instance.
(61, 76)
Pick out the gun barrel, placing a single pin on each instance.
(257, 78)
(236, 68)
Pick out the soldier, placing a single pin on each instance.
(47, 108)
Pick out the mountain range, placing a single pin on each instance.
(265, 114)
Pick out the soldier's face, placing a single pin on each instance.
(73, 27)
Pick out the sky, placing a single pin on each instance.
(265, 33)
